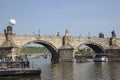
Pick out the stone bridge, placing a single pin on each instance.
(57, 43)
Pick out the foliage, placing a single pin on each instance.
(30, 50)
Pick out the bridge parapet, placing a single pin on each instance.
(77, 41)
(2, 39)
(21, 40)
(118, 42)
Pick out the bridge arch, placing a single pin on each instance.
(49, 46)
(96, 47)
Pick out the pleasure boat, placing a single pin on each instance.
(101, 57)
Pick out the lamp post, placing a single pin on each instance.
(39, 32)
(89, 35)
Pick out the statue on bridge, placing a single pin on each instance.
(101, 35)
(66, 38)
(112, 39)
(113, 34)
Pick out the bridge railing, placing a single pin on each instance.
(31, 35)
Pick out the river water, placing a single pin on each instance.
(72, 71)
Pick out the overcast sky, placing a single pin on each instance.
(51, 16)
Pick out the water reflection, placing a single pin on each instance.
(73, 71)
(99, 71)
(62, 71)
(115, 70)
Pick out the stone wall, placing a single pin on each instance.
(113, 54)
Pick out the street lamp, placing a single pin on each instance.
(39, 32)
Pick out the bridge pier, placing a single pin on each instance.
(65, 54)
(66, 50)
(113, 54)
(55, 58)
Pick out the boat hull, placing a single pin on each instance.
(19, 71)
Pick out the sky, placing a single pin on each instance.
(80, 17)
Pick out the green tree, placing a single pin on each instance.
(28, 50)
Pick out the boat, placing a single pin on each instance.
(19, 71)
(100, 57)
